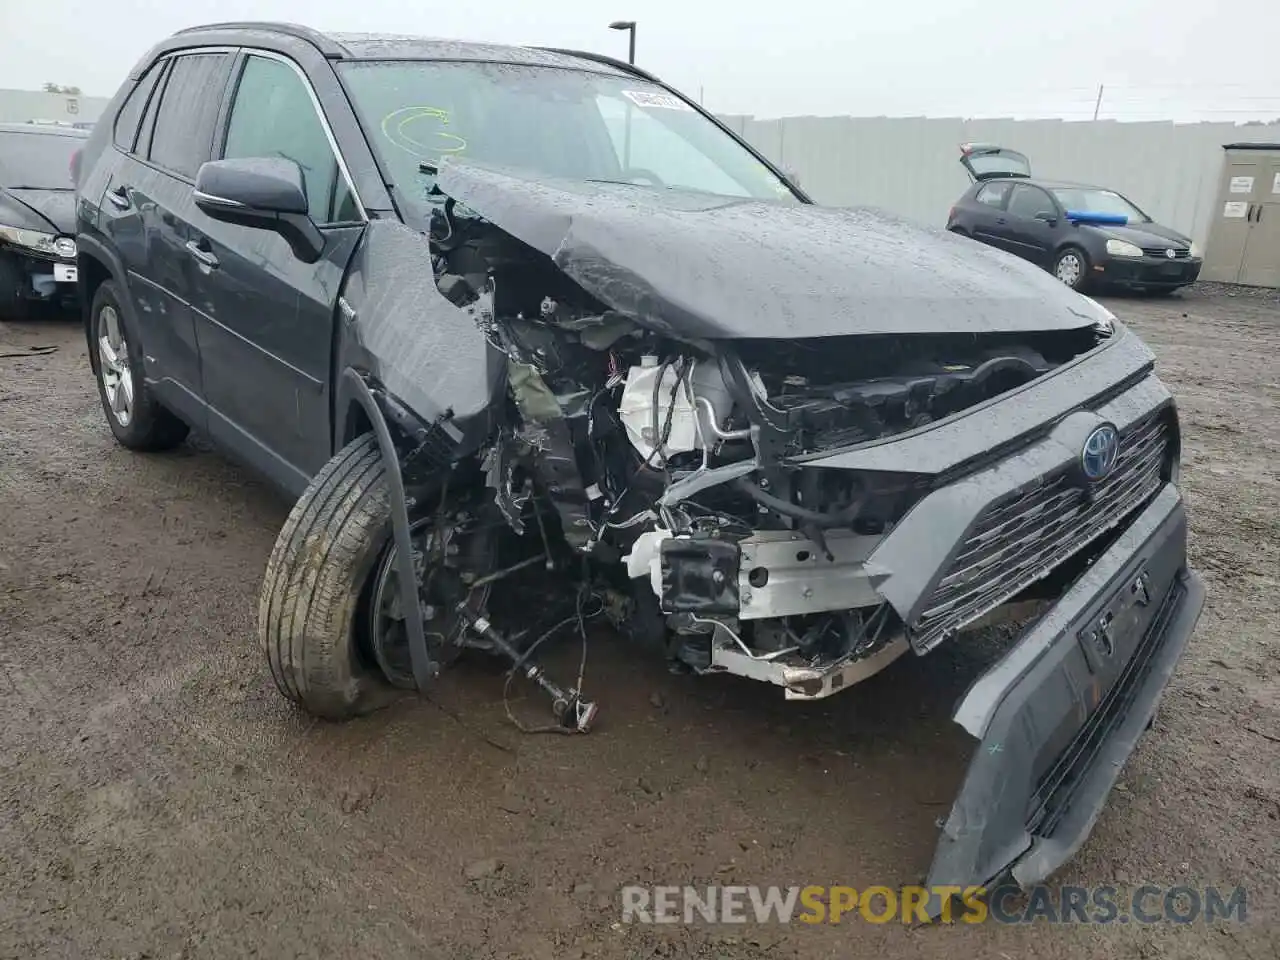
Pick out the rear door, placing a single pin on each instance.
(147, 211)
(988, 214)
(264, 319)
(983, 161)
(1032, 222)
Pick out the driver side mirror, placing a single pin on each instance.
(263, 192)
(1050, 218)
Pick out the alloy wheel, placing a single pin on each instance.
(113, 365)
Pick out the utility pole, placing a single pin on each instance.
(1097, 104)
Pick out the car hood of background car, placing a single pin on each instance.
(1144, 234)
(704, 266)
(46, 210)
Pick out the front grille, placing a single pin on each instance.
(1164, 252)
(1022, 538)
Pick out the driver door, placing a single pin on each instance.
(264, 319)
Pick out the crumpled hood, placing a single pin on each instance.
(49, 210)
(714, 267)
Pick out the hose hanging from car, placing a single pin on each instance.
(424, 668)
(839, 518)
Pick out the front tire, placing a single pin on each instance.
(308, 613)
(1072, 268)
(13, 305)
(135, 416)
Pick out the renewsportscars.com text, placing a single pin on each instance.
(1145, 904)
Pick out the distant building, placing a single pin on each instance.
(17, 106)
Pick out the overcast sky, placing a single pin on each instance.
(1175, 59)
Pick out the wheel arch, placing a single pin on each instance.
(96, 264)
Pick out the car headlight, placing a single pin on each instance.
(1104, 324)
(1196, 251)
(66, 247)
(31, 239)
(1123, 248)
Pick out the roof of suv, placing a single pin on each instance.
(377, 46)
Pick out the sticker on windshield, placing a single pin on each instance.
(650, 98)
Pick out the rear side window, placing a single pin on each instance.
(130, 115)
(188, 111)
(993, 194)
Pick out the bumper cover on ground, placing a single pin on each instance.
(1060, 713)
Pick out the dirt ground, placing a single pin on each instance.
(159, 799)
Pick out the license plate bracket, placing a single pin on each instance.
(1109, 639)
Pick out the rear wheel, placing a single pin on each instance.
(136, 418)
(1072, 268)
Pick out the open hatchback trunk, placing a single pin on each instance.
(986, 161)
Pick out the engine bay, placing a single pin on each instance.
(673, 465)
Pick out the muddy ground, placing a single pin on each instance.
(159, 799)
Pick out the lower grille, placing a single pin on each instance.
(1055, 789)
(1021, 539)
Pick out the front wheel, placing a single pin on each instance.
(1072, 268)
(332, 617)
(13, 305)
(307, 613)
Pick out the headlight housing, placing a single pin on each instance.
(1123, 248)
(31, 239)
(1104, 324)
(1196, 251)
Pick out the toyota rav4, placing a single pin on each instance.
(496, 313)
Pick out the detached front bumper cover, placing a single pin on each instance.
(1057, 717)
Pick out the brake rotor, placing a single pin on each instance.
(449, 554)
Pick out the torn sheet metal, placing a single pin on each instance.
(697, 265)
(399, 328)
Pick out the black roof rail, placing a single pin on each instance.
(602, 58)
(327, 46)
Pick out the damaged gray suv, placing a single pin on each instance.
(505, 319)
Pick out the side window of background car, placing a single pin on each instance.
(993, 194)
(130, 115)
(273, 116)
(1029, 201)
(188, 111)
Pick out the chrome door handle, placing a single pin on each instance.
(205, 257)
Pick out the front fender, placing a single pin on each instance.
(398, 331)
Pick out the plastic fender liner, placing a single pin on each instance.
(424, 668)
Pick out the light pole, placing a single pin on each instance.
(630, 27)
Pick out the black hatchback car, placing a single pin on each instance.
(37, 216)
(496, 313)
(1085, 236)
